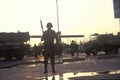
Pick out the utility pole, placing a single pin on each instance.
(57, 14)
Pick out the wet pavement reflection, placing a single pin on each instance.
(78, 75)
(53, 77)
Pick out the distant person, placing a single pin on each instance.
(59, 47)
(74, 48)
(49, 47)
(35, 51)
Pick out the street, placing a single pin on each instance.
(71, 69)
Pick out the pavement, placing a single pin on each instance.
(72, 68)
(67, 58)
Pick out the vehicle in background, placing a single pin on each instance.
(14, 45)
(108, 43)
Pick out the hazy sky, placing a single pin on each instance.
(75, 16)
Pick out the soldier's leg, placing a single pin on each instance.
(52, 57)
(45, 63)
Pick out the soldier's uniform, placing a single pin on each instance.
(49, 47)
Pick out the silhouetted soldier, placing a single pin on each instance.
(59, 47)
(49, 47)
(35, 51)
(74, 48)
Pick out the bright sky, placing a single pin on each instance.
(81, 17)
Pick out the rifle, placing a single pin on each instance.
(41, 25)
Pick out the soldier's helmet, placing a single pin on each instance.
(49, 25)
